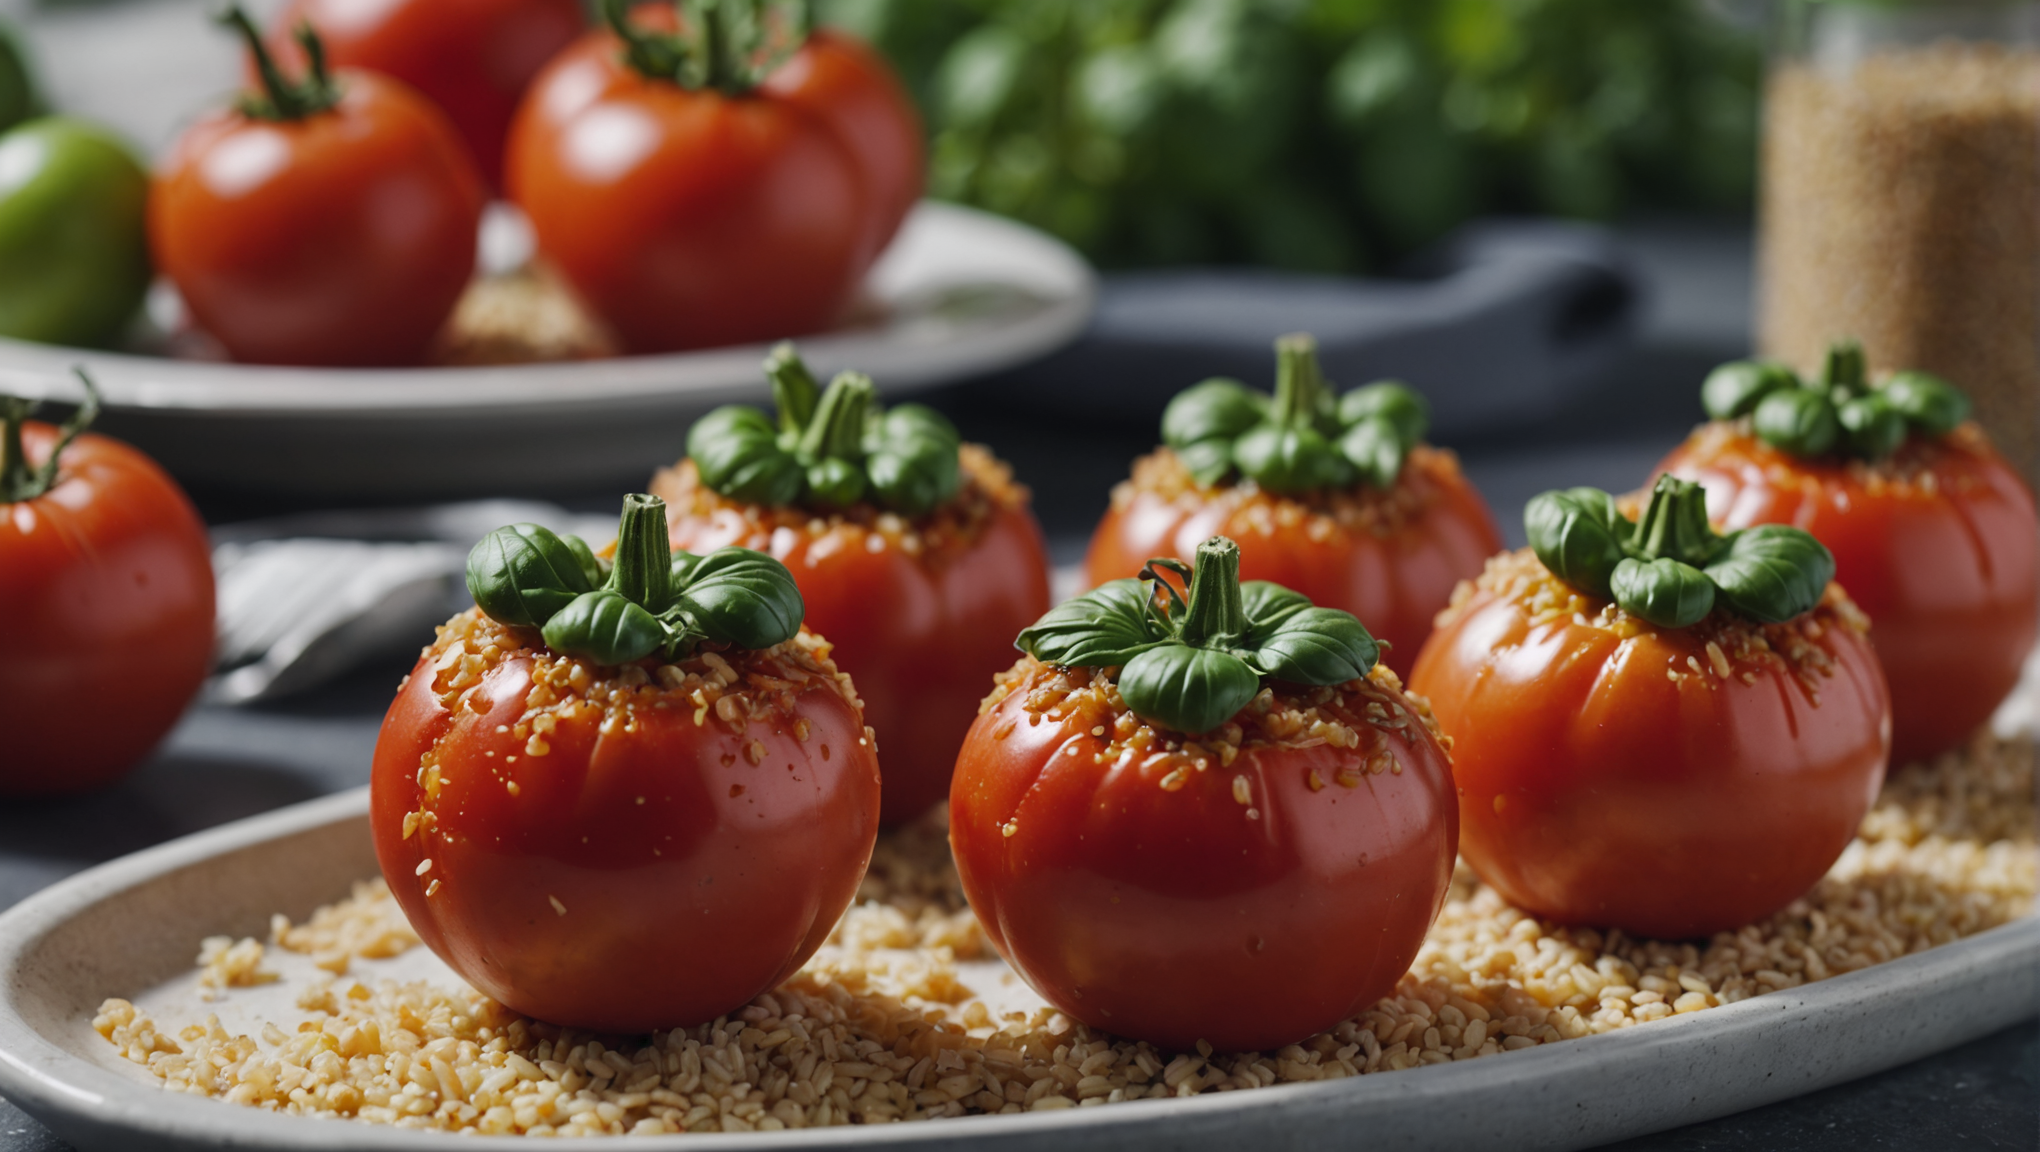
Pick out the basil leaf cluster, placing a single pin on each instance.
(652, 599)
(828, 449)
(1669, 567)
(1840, 413)
(1301, 439)
(1193, 665)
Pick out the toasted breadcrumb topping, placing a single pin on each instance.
(1353, 715)
(1736, 648)
(1426, 472)
(987, 489)
(1918, 467)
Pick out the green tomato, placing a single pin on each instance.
(74, 250)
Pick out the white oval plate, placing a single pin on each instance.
(128, 927)
(961, 293)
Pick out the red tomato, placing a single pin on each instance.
(1609, 775)
(1391, 559)
(692, 217)
(1938, 545)
(472, 58)
(921, 613)
(592, 847)
(1150, 888)
(106, 585)
(343, 237)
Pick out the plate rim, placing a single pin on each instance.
(687, 378)
(51, 1084)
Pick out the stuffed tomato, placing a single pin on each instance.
(1656, 728)
(624, 797)
(916, 553)
(1214, 820)
(1933, 533)
(1335, 497)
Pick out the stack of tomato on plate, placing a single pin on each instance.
(694, 183)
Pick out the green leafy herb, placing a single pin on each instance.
(1670, 567)
(1301, 439)
(1841, 412)
(1193, 664)
(650, 600)
(830, 448)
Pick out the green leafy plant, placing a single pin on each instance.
(829, 448)
(1192, 665)
(652, 599)
(1841, 412)
(1302, 438)
(1669, 567)
(1324, 135)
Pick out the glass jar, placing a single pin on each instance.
(1901, 197)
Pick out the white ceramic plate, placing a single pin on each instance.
(128, 928)
(960, 293)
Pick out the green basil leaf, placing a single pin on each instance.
(834, 482)
(918, 421)
(915, 483)
(1666, 592)
(1927, 402)
(1313, 646)
(1402, 406)
(1734, 389)
(1578, 534)
(1772, 573)
(741, 597)
(1207, 460)
(1800, 421)
(1287, 460)
(1108, 625)
(1874, 428)
(738, 454)
(1191, 690)
(593, 567)
(523, 574)
(1375, 449)
(1267, 605)
(604, 627)
(1217, 409)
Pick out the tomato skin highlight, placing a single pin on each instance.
(921, 636)
(471, 58)
(692, 218)
(1394, 582)
(343, 239)
(1949, 574)
(692, 878)
(107, 587)
(1174, 916)
(1595, 789)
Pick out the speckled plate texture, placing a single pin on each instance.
(130, 926)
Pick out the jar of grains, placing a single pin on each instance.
(1901, 197)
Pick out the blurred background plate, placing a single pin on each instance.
(960, 293)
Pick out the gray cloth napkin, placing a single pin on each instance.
(303, 599)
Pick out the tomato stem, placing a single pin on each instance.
(1844, 368)
(1216, 612)
(837, 430)
(728, 45)
(282, 99)
(794, 391)
(1300, 388)
(643, 572)
(19, 481)
(1674, 524)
